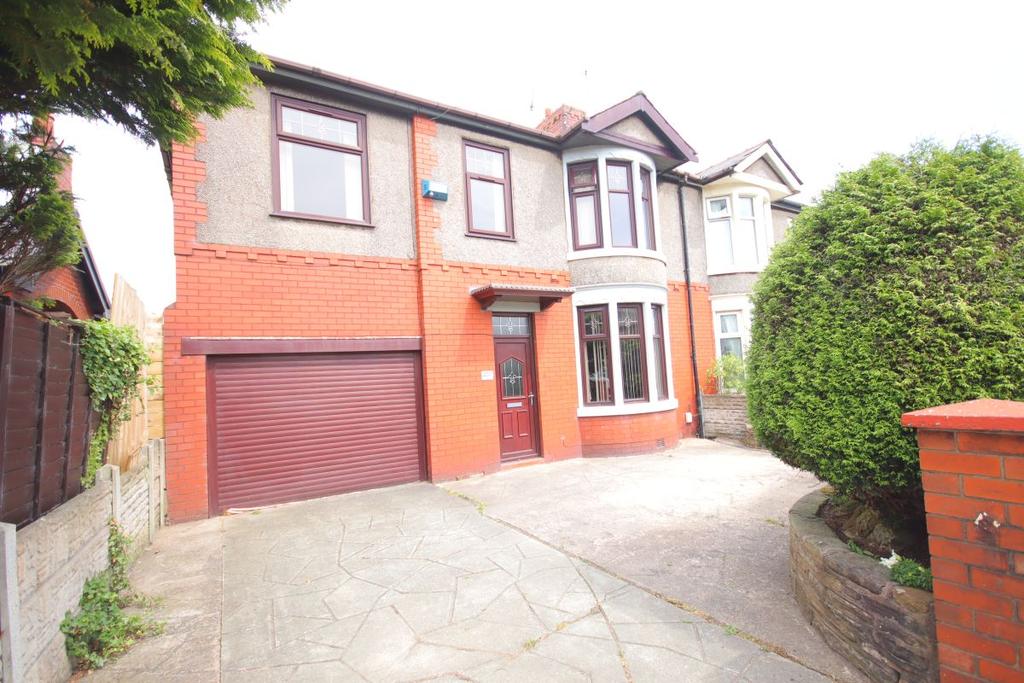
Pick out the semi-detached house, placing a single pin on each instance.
(373, 288)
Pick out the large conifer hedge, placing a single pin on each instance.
(902, 288)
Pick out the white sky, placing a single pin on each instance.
(831, 83)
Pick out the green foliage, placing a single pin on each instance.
(907, 572)
(852, 545)
(149, 65)
(39, 228)
(729, 374)
(113, 357)
(102, 629)
(902, 288)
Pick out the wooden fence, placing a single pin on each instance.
(126, 308)
(45, 416)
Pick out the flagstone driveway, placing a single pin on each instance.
(412, 583)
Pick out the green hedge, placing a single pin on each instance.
(903, 288)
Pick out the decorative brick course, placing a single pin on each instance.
(971, 457)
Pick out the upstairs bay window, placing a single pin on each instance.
(621, 212)
(320, 160)
(584, 203)
(736, 238)
(488, 191)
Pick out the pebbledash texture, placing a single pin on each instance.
(885, 629)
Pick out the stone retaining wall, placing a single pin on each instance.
(55, 554)
(725, 415)
(886, 630)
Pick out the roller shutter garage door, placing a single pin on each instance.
(299, 426)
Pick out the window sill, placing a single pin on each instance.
(321, 219)
(633, 408)
(600, 252)
(737, 270)
(491, 236)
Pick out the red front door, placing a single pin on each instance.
(517, 397)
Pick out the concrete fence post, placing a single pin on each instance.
(972, 470)
(9, 605)
(113, 473)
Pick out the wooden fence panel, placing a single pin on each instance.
(44, 413)
(126, 308)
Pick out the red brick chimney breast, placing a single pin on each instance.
(560, 121)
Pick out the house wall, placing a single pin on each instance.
(780, 223)
(635, 127)
(66, 286)
(668, 206)
(607, 269)
(538, 207)
(238, 186)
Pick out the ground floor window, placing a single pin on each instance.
(623, 355)
(732, 318)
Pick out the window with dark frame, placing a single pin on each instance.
(488, 190)
(621, 212)
(584, 203)
(631, 352)
(320, 162)
(595, 355)
(648, 207)
(660, 370)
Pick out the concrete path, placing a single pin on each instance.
(409, 584)
(704, 524)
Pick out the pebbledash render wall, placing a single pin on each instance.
(232, 283)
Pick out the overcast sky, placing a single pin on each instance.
(832, 84)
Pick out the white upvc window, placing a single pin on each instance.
(732, 315)
(737, 233)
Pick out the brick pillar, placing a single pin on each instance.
(972, 469)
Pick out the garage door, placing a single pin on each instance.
(291, 427)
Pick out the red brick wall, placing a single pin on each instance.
(227, 290)
(679, 335)
(978, 562)
(457, 345)
(65, 285)
(624, 434)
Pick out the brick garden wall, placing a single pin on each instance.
(972, 464)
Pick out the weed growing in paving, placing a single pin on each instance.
(101, 629)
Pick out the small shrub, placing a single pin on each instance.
(101, 629)
(907, 572)
(729, 375)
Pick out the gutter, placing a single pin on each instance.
(689, 305)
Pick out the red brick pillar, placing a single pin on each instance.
(972, 468)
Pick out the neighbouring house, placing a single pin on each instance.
(75, 291)
(373, 288)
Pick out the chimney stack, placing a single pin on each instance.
(560, 121)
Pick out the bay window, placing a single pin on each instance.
(584, 205)
(735, 233)
(620, 204)
(632, 353)
(488, 190)
(320, 160)
(648, 207)
(595, 350)
(658, 337)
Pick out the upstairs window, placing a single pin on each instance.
(584, 198)
(620, 204)
(732, 235)
(321, 166)
(488, 190)
(648, 207)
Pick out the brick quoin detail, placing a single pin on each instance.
(972, 470)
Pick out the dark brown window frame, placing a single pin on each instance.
(591, 190)
(647, 206)
(658, 339)
(641, 335)
(584, 338)
(278, 102)
(628, 165)
(505, 182)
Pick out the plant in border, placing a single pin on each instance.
(113, 357)
(907, 572)
(101, 629)
(729, 374)
(902, 288)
